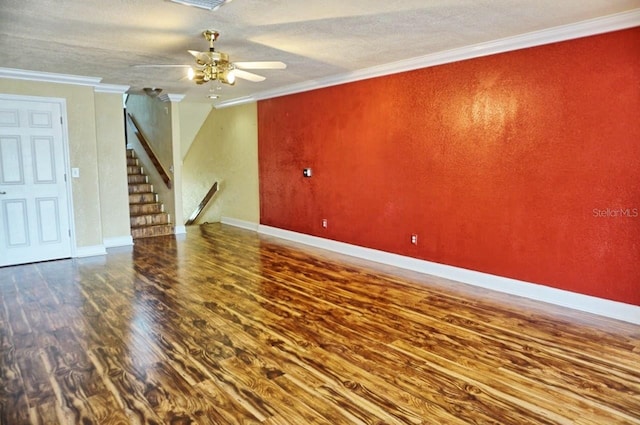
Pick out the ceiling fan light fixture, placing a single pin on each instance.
(227, 76)
(198, 75)
(203, 4)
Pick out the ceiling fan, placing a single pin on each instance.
(214, 66)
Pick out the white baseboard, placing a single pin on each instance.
(240, 223)
(602, 307)
(180, 230)
(90, 251)
(118, 241)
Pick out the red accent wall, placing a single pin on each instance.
(523, 164)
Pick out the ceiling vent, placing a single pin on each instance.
(203, 4)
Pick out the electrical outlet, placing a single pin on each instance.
(414, 239)
(324, 223)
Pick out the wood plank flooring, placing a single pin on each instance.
(225, 326)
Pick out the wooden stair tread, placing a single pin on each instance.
(141, 214)
(148, 226)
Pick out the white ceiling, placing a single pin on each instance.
(318, 40)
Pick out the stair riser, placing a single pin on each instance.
(139, 209)
(142, 198)
(132, 161)
(147, 232)
(136, 178)
(149, 220)
(134, 169)
(140, 188)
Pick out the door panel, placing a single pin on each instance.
(44, 162)
(34, 210)
(48, 220)
(17, 228)
(11, 161)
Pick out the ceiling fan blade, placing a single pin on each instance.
(261, 65)
(206, 57)
(161, 66)
(249, 76)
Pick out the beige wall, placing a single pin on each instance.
(83, 152)
(112, 167)
(224, 150)
(192, 116)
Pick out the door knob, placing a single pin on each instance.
(2, 192)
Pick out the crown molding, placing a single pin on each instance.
(171, 97)
(615, 22)
(49, 77)
(240, 101)
(111, 88)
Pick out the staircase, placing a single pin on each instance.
(146, 213)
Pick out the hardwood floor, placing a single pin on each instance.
(229, 327)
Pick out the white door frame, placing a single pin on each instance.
(62, 102)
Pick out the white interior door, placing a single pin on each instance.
(34, 209)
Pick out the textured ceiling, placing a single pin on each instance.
(316, 39)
